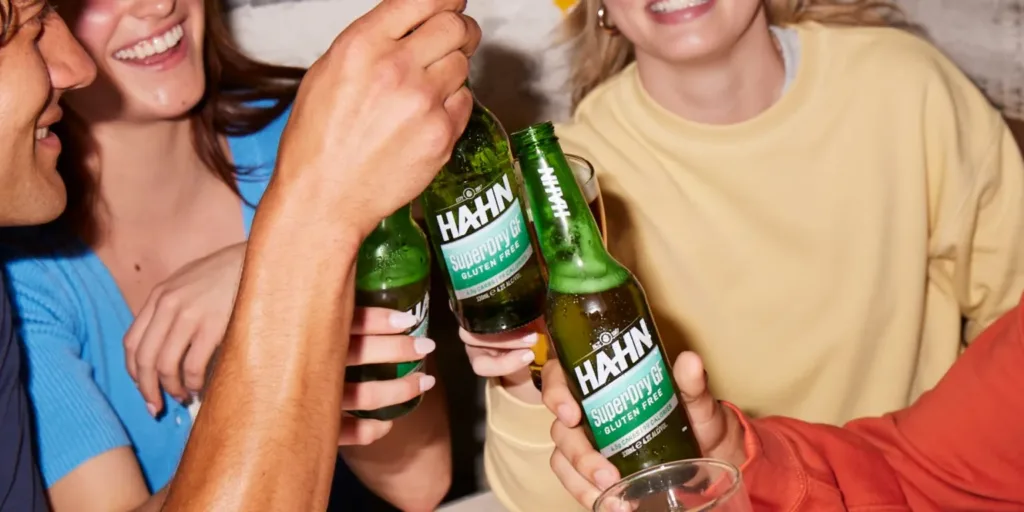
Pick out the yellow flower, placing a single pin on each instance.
(564, 5)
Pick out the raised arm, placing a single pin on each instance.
(268, 433)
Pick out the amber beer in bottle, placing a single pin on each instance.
(475, 216)
(600, 322)
(393, 272)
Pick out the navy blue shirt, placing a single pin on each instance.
(21, 488)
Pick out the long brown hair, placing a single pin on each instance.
(233, 83)
(597, 55)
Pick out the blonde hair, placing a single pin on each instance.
(597, 55)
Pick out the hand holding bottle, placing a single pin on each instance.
(585, 473)
(377, 339)
(503, 354)
(377, 115)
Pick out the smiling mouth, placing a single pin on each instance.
(153, 46)
(669, 6)
(42, 133)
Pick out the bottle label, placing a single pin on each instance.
(421, 311)
(484, 240)
(627, 391)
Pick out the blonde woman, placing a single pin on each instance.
(823, 207)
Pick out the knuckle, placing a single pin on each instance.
(547, 398)
(388, 72)
(167, 369)
(420, 101)
(575, 459)
(437, 136)
(452, 23)
(460, 64)
(430, 5)
(145, 366)
(352, 48)
(168, 301)
(194, 374)
(410, 389)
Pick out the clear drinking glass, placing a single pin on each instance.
(587, 179)
(695, 485)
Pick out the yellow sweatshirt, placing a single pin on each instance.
(819, 256)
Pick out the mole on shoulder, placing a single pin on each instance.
(137, 267)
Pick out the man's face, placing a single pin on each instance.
(39, 60)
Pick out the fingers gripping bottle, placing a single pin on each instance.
(393, 272)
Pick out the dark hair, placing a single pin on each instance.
(6, 15)
(233, 83)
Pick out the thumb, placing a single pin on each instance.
(717, 428)
(693, 384)
(707, 416)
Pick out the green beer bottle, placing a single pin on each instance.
(474, 212)
(393, 272)
(600, 322)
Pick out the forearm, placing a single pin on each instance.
(411, 466)
(275, 397)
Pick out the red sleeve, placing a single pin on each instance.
(959, 447)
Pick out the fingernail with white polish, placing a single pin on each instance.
(402, 320)
(528, 357)
(530, 339)
(424, 345)
(427, 382)
(151, 408)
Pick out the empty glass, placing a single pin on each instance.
(696, 485)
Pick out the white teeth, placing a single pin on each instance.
(42, 133)
(667, 6)
(153, 46)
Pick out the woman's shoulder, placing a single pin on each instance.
(256, 152)
(898, 54)
(45, 269)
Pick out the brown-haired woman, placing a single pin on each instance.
(169, 152)
(822, 209)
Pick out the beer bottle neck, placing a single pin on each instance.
(566, 230)
(394, 254)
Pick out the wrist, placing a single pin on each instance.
(301, 210)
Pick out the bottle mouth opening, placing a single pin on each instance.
(533, 135)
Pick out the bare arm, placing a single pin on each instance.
(109, 482)
(267, 438)
(410, 467)
(250, 422)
